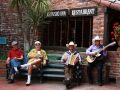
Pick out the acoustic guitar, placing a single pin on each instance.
(91, 58)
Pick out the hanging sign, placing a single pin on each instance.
(58, 13)
(89, 11)
(3, 40)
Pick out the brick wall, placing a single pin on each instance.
(9, 26)
(98, 21)
(114, 63)
(2, 68)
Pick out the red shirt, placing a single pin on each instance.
(15, 53)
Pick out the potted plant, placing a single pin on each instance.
(116, 33)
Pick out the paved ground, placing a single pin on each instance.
(52, 85)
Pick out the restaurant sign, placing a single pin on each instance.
(90, 11)
(58, 13)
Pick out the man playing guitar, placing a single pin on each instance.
(99, 61)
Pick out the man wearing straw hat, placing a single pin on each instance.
(70, 58)
(99, 61)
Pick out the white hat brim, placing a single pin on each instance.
(67, 45)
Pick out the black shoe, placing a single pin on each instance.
(28, 84)
(68, 84)
(100, 84)
(11, 81)
(90, 82)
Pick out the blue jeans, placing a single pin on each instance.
(14, 63)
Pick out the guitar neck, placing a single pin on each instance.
(111, 44)
(103, 48)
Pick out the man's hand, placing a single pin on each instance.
(65, 59)
(15, 57)
(77, 60)
(7, 61)
(93, 53)
(44, 63)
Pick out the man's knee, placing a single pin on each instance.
(30, 67)
(12, 61)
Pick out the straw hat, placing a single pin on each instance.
(71, 43)
(96, 38)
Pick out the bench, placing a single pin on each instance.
(54, 69)
(45, 71)
(23, 72)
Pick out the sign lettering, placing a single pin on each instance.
(84, 11)
(57, 13)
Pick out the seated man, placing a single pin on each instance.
(70, 58)
(15, 56)
(37, 57)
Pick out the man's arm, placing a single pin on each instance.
(45, 58)
(88, 51)
(21, 58)
(8, 60)
(64, 58)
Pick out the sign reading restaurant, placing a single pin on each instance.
(90, 11)
(58, 13)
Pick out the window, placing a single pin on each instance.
(59, 31)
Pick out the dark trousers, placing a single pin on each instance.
(99, 66)
(68, 72)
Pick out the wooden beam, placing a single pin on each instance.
(109, 4)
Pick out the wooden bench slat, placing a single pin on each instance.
(53, 75)
(54, 55)
(53, 70)
(54, 60)
(56, 65)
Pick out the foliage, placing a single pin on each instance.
(31, 14)
(116, 31)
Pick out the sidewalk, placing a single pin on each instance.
(52, 85)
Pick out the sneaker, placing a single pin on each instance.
(28, 83)
(23, 67)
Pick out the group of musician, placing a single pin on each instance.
(38, 57)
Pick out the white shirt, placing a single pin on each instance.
(67, 55)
